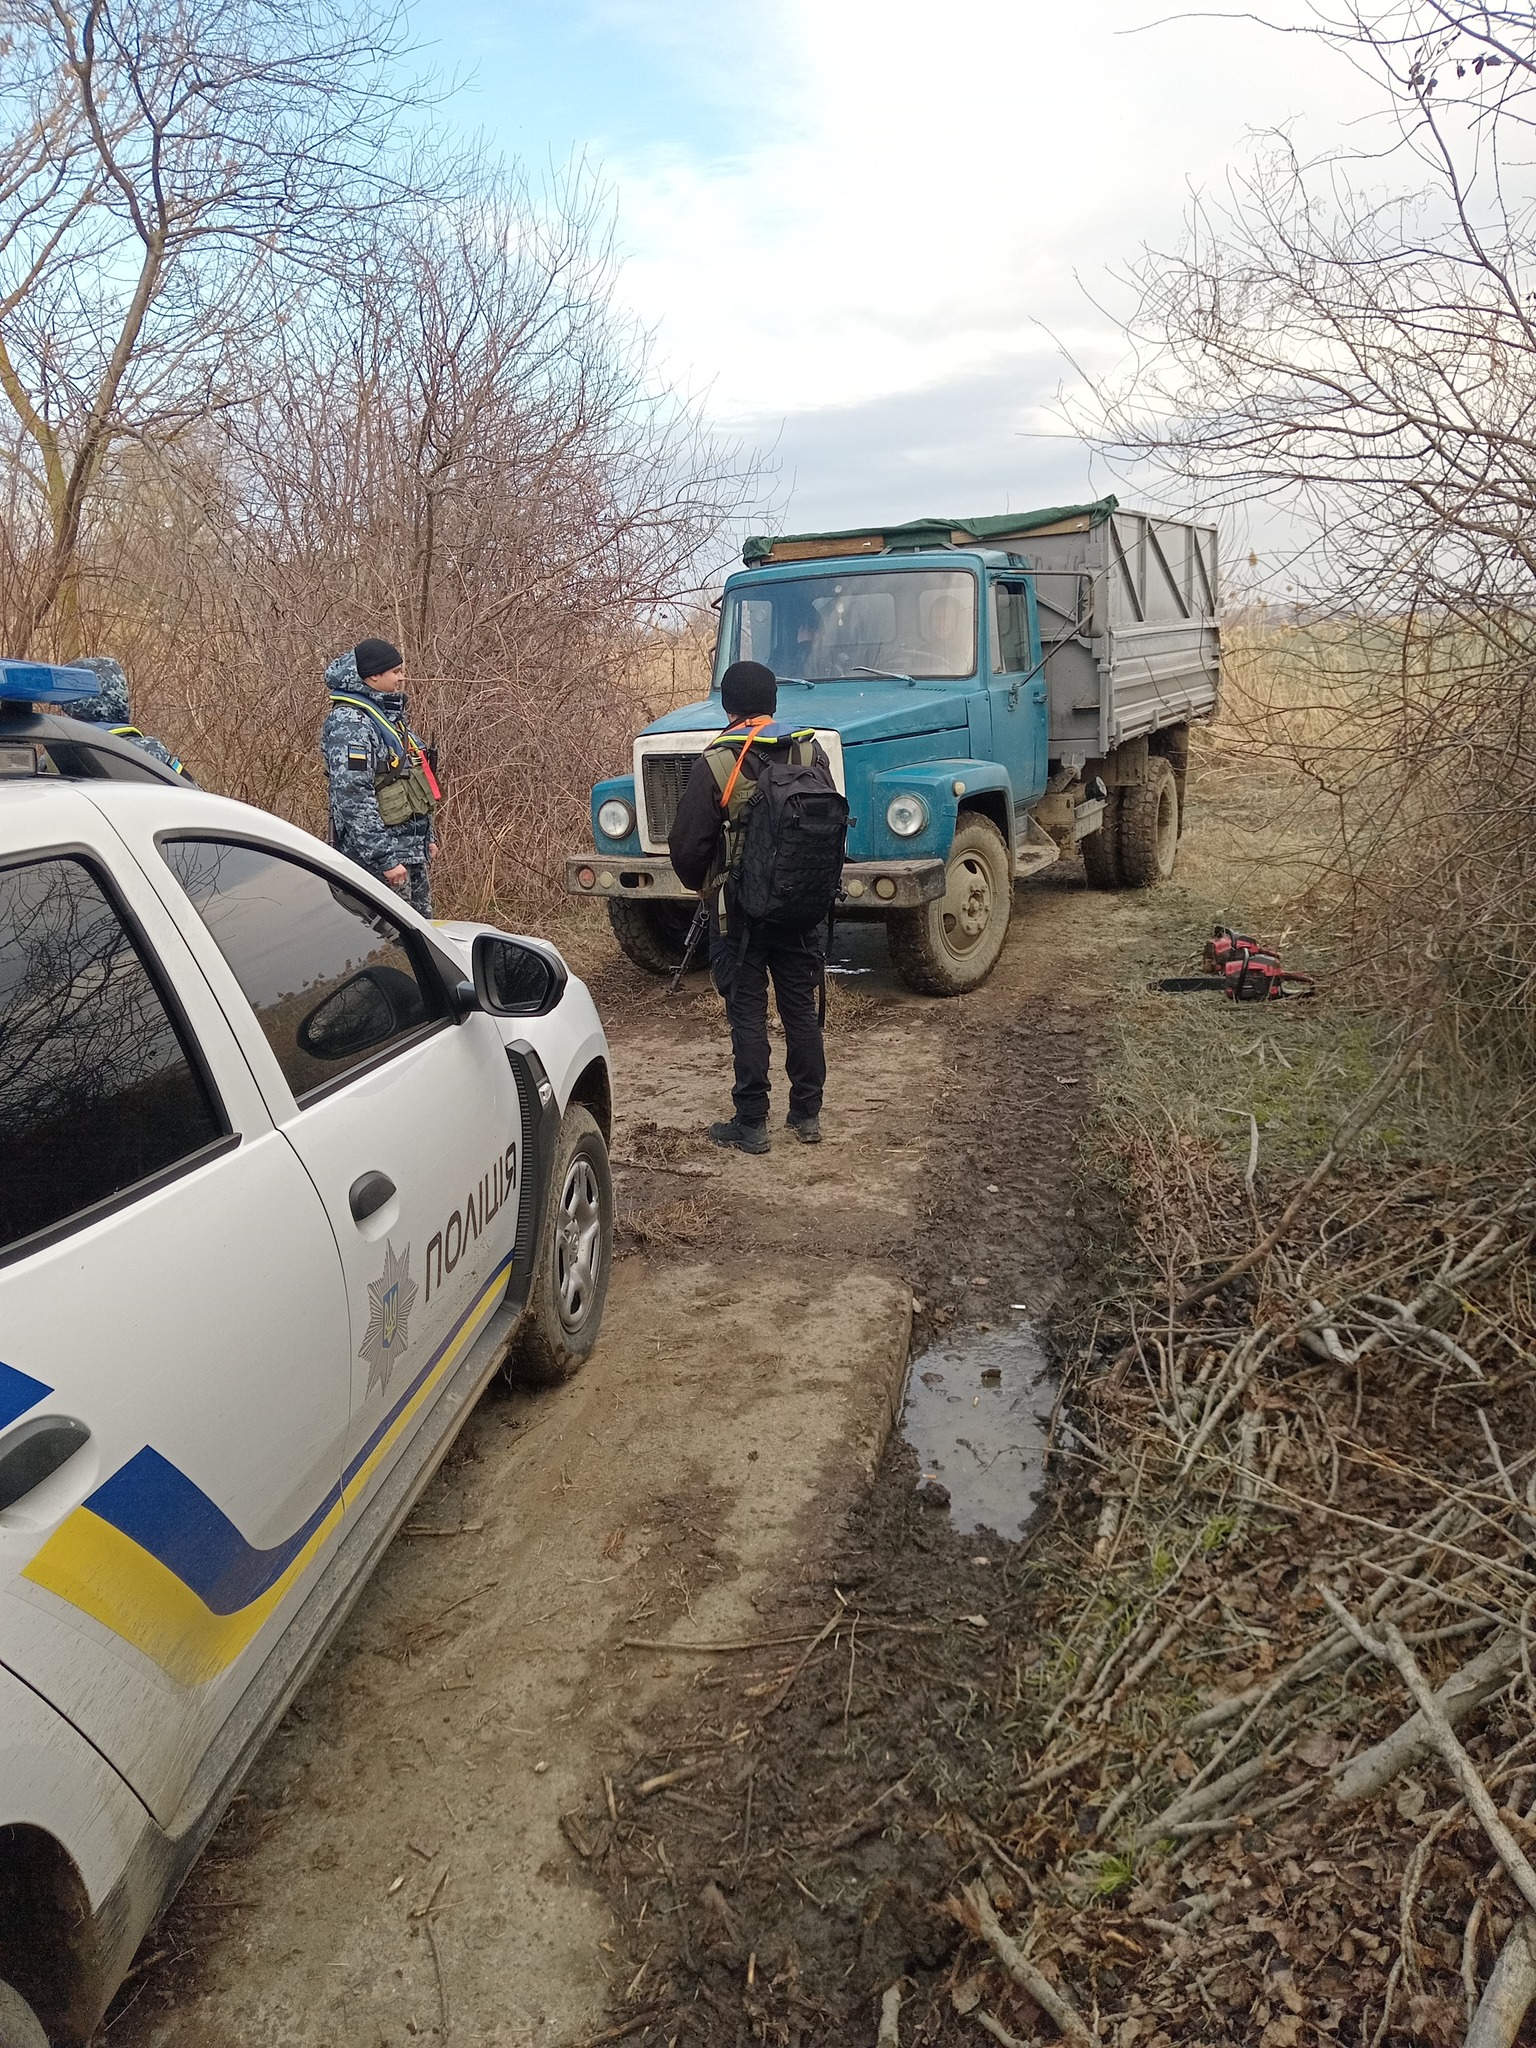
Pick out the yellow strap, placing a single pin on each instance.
(755, 730)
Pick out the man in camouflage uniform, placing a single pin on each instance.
(110, 708)
(372, 757)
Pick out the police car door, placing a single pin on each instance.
(407, 1122)
(173, 1327)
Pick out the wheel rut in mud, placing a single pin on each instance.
(780, 1848)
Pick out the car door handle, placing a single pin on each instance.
(370, 1191)
(33, 1456)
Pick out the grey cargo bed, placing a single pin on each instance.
(1130, 603)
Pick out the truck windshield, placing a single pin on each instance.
(906, 622)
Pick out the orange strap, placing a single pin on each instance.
(426, 768)
(755, 728)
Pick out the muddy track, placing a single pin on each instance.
(421, 1850)
(798, 1862)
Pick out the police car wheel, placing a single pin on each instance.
(570, 1275)
(19, 2024)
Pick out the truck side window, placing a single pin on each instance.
(1010, 630)
(98, 1091)
(330, 978)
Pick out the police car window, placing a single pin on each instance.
(329, 977)
(97, 1090)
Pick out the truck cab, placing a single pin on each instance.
(919, 659)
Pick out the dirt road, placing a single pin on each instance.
(396, 1868)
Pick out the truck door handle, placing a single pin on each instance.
(41, 1450)
(370, 1191)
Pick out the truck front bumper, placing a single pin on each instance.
(648, 878)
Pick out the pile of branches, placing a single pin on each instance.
(1284, 1781)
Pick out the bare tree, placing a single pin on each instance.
(1354, 340)
(160, 164)
(461, 444)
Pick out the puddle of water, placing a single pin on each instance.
(970, 1415)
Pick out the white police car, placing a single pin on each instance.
(285, 1173)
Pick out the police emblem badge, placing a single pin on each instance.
(390, 1300)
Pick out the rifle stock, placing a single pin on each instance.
(696, 932)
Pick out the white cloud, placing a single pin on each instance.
(915, 199)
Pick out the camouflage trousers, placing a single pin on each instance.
(417, 886)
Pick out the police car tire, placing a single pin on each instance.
(653, 935)
(1101, 849)
(921, 949)
(549, 1346)
(1149, 827)
(20, 2026)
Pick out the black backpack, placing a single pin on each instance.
(787, 859)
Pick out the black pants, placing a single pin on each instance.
(794, 960)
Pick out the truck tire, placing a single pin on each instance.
(1101, 849)
(1173, 744)
(570, 1274)
(1149, 827)
(653, 935)
(19, 2024)
(951, 945)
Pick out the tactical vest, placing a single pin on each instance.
(131, 732)
(405, 787)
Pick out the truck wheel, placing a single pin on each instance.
(1101, 849)
(949, 946)
(1149, 827)
(570, 1274)
(653, 935)
(19, 2024)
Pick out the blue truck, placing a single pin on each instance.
(991, 693)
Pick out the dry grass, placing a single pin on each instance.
(1302, 1406)
(671, 1226)
(1401, 778)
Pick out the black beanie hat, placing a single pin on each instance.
(375, 658)
(748, 690)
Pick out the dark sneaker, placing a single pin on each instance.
(745, 1137)
(807, 1129)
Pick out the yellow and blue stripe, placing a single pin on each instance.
(154, 1559)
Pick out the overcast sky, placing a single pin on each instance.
(864, 233)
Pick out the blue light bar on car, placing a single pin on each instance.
(45, 682)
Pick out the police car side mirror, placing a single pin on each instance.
(370, 1007)
(515, 980)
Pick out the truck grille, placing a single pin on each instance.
(664, 777)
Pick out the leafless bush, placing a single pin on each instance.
(465, 453)
(276, 383)
(1365, 359)
(162, 169)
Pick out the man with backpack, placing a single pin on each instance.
(759, 834)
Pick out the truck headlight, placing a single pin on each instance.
(906, 815)
(615, 819)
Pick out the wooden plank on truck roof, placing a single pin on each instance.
(823, 550)
(1082, 525)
